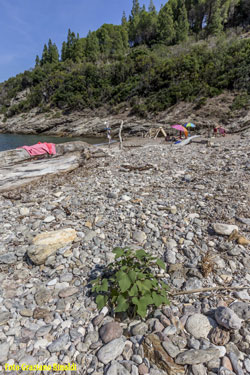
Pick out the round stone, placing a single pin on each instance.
(198, 325)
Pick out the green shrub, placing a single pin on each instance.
(130, 284)
(241, 101)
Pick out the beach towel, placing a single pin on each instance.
(40, 149)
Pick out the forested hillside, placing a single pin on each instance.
(190, 50)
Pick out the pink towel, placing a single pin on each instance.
(41, 148)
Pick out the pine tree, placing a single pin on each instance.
(45, 55)
(147, 27)
(134, 19)
(182, 25)
(151, 7)
(64, 51)
(54, 54)
(92, 46)
(165, 25)
(37, 60)
(135, 9)
(214, 23)
(124, 19)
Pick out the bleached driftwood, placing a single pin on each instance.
(18, 168)
(18, 175)
(120, 135)
(18, 155)
(160, 130)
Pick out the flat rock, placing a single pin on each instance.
(47, 243)
(117, 369)
(193, 356)
(156, 354)
(42, 296)
(67, 292)
(111, 351)
(139, 236)
(227, 318)
(4, 317)
(59, 344)
(9, 258)
(139, 329)
(241, 309)
(225, 229)
(198, 325)
(4, 350)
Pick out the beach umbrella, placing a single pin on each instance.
(189, 125)
(181, 129)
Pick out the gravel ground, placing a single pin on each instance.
(153, 195)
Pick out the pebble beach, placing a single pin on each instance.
(181, 204)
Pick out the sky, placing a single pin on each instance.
(26, 25)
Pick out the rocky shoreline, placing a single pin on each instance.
(89, 123)
(151, 195)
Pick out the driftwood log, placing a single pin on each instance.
(18, 168)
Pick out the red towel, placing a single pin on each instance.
(40, 149)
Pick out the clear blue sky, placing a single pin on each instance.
(26, 25)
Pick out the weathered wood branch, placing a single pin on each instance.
(211, 289)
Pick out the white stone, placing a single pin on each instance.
(52, 282)
(47, 243)
(24, 211)
(104, 310)
(225, 229)
(198, 325)
(49, 219)
(42, 343)
(125, 198)
(221, 349)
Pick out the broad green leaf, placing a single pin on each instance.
(140, 254)
(104, 286)
(140, 275)
(161, 264)
(164, 286)
(135, 300)
(158, 299)
(147, 285)
(154, 283)
(118, 252)
(133, 291)
(124, 282)
(122, 304)
(113, 299)
(139, 284)
(101, 301)
(142, 310)
(119, 275)
(132, 275)
(124, 268)
(146, 300)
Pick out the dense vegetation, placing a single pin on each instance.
(189, 50)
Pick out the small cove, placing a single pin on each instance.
(12, 141)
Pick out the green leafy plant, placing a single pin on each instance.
(130, 283)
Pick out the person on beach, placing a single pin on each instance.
(108, 132)
(167, 138)
(222, 131)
